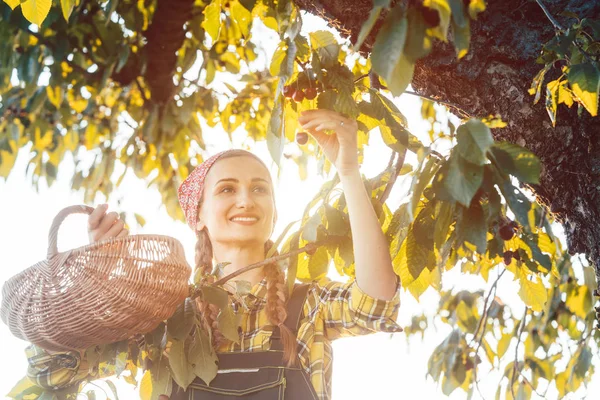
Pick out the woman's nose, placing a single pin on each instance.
(245, 199)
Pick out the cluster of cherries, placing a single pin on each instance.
(298, 94)
(303, 88)
(507, 231)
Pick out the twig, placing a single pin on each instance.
(139, 85)
(519, 333)
(308, 247)
(485, 310)
(361, 78)
(561, 30)
(392, 181)
(451, 105)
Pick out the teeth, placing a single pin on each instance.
(244, 219)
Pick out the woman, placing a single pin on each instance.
(228, 201)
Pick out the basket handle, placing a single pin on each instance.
(60, 217)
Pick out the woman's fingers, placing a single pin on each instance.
(96, 216)
(114, 230)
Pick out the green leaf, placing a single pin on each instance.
(36, 11)
(517, 161)
(182, 371)
(418, 43)
(462, 37)
(462, 179)
(203, 357)
(337, 221)
(474, 226)
(181, 323)
(585, 83)
(67, 8)
(474, 139)
(212, 19)
(389, 44)
(401, 76)
(367, 26)
(156, 381)
(458, 13)
(227, 320)
(275, 130)
(324, 43)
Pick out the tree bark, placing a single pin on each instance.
(493, 79)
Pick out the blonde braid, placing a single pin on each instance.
(208, 312)
(276, 308)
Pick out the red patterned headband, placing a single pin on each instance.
(190, 191)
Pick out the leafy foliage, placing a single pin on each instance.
(74, 81)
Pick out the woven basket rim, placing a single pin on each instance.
(128, 238)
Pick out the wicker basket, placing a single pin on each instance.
(100, 293)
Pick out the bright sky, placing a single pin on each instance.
(378, 366)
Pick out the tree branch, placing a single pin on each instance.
(445, 103)
(393, 177)
(519, 333)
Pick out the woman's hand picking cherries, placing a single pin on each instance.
(341, 146)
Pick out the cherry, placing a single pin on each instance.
(431, 17)
(298, 96)
(302, 138)
(507, 257)
(506, 232)
(288, 91)
(310, 93)
(311, 250)
(516, 255)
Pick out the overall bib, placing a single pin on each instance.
(259, 374)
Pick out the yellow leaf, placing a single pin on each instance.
(55, 95)
(146, 386)
(24, 384)
(278, 58)
(71, 140)
(7, 159)
(42, 142)
(77, 103)
(579, 301)
(212, 19)
(532, 292)
(12, 3)
(425, 280)
(67, 7)
(503, 344)
(36, 11)
(443, 9)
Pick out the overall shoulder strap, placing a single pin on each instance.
(294, 311)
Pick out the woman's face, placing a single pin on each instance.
(238, 204)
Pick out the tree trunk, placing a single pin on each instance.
(493, 79)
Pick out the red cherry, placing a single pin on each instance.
(298, 96)
(301, 137)
(311, 250)
(507, 232)
(310, 93)
(288, 91)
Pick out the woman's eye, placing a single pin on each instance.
(227, 189)
(261, 189)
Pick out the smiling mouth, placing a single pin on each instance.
(244, 220)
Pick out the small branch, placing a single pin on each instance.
(549, 16)
(560, 30)
(139, 85)
(519, 333)
(448, 104)
(302, 64)
(485, 311)
(308, 247)
(393, 177)
(361, 78)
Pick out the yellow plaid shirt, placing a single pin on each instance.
(331, 310)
